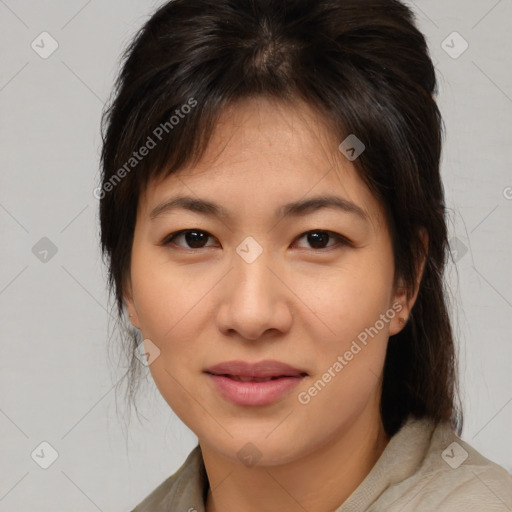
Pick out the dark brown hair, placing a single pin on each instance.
(361, 64)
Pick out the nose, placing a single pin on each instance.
(255, 303)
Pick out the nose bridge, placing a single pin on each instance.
(253, 280)
(255, 301)
(251, 263)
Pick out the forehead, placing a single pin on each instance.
(264, 153)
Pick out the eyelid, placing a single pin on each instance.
(342, 240)
(167, 240)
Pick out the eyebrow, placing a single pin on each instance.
(294, 209)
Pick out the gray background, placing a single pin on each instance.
(56, 378)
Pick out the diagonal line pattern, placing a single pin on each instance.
(194, 194)
(483, 277)
(492, 211)
(14, 485)
(75, 15)
(14, 423)
(76, 424)
(102, 102)
(492, 81)
(510, 400)
(13, 13)
(81, 491)
(14, 218)
(277, 482)
(332, 332)
(198, 402)
(74, 218)
(416, 6)
(487, 13)
(165, 335)
(280, 423)
(304, 195)
(13, 279)
(85, 289)
(221, 482)
(499, 497)
(14, 76)
(468, 239)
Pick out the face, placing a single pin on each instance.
(236, 274)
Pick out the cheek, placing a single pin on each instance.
(167, 299)
(349, 360)
(175, 310)
(170, 312)
(350, 342)
(348, 298)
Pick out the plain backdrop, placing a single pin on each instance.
(56, 379)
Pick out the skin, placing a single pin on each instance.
(297, 303)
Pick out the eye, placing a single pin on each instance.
(195, 238)
(319, 239)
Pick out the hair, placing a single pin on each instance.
(360, 64)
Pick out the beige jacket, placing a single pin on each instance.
(422, 469)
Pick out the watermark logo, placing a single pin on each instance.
(44, 45)
(44, 250)
(249, 250)
(454, 455)
(304, 397)
(454, 45)
(44, 455)
(249, 455)
(147, 352)
(352, 147)
(150, 143)
(458, 249)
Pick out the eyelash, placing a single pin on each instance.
(169, 239)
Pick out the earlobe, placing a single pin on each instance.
(403, 303)
(130, 307)
(400, 307)
(132, 314)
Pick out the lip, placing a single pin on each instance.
(262, 369)
(252, 391)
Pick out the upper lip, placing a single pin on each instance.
(262, 369)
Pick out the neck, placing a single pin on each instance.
(318, 482)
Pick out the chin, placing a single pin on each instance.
(256, 447)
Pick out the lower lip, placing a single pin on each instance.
(254, 393)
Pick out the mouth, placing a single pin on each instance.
(254, 384)
(250, 379)
(257, 372)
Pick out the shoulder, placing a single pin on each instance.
(454, 476)
(185, 488)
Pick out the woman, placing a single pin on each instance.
(273, 218)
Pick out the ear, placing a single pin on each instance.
(130, 304)
(403, 304)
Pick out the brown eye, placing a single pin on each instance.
(320, 239)
(194, 238)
